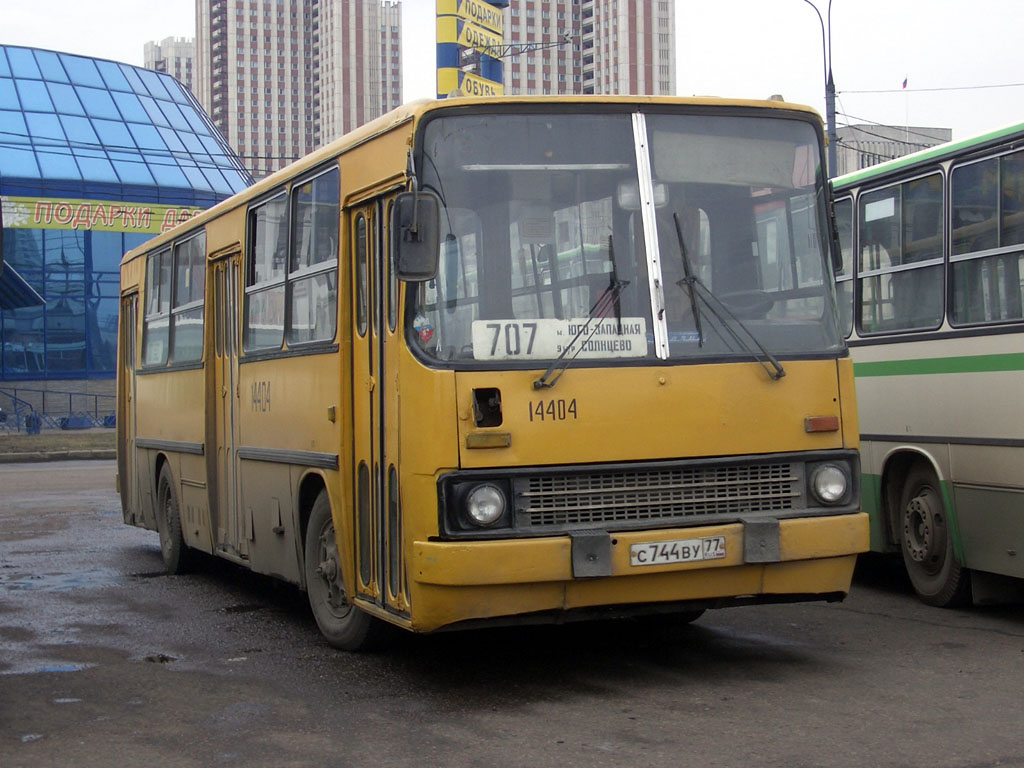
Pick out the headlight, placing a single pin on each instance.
(829, 483)
(485, 505)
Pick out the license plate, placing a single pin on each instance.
(679, 551)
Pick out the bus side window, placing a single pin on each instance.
(156, 327)
(900, 229)
(974, 191)
(265, 273)
(187, 300)
(1011, 229)
(844, 275)
(313, 274)
(922, 219)
(987, 214)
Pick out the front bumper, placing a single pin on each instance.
(454, 582)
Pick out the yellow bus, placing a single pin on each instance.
(506, 360)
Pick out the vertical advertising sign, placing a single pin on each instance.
(470, 25)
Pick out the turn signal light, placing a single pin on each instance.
(821, 424)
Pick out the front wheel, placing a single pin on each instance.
(927, 542)
(343, 624)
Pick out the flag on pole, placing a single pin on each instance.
(904, 83)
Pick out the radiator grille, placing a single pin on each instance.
(670, 494)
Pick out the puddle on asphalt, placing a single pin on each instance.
(47, 668)
(53, 582)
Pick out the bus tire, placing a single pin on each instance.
(927, 543)
(178, 558)
(343, 624)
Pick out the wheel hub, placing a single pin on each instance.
(329, 571)
(924, 530)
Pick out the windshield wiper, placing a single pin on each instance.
(689, 280)
(767, 360)
(607, 299)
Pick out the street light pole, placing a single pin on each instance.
(830, 86)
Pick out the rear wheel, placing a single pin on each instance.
(927, 542)
(343, 624)
(178, 558)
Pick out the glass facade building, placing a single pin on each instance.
(96, 157)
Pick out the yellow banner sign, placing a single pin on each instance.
(468, 35)
(449, 79)
(480, 13)
(95, 215)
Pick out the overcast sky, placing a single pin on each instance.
(953, 53)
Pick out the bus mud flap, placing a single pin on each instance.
(761, 541)
(591, 554)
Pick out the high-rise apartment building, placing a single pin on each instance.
(283, 77)
(590, 46)
(173, 55)
(360, 60)
(390, 55)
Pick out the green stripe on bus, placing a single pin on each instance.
(930, 365)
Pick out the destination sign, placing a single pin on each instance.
(476, 11)
(547, 338)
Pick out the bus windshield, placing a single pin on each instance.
(617, 236)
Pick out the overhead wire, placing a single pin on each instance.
(906, 130)
(945, 88)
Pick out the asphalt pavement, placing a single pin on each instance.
(107, 660)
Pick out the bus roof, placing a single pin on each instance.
(414, 110)
(930, 155)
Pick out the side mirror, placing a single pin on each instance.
(836, 247)
(415, 228)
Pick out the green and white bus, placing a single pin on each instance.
(931, 296)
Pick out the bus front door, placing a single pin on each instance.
(222, 462)
(378, 523)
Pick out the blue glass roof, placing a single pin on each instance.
(93, 126)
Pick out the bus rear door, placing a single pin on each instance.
(230, 534)
(128, 460)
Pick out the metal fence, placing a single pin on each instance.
(30, 410)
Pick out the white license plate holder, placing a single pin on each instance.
(677, 551)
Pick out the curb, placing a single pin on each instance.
(37, 456)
